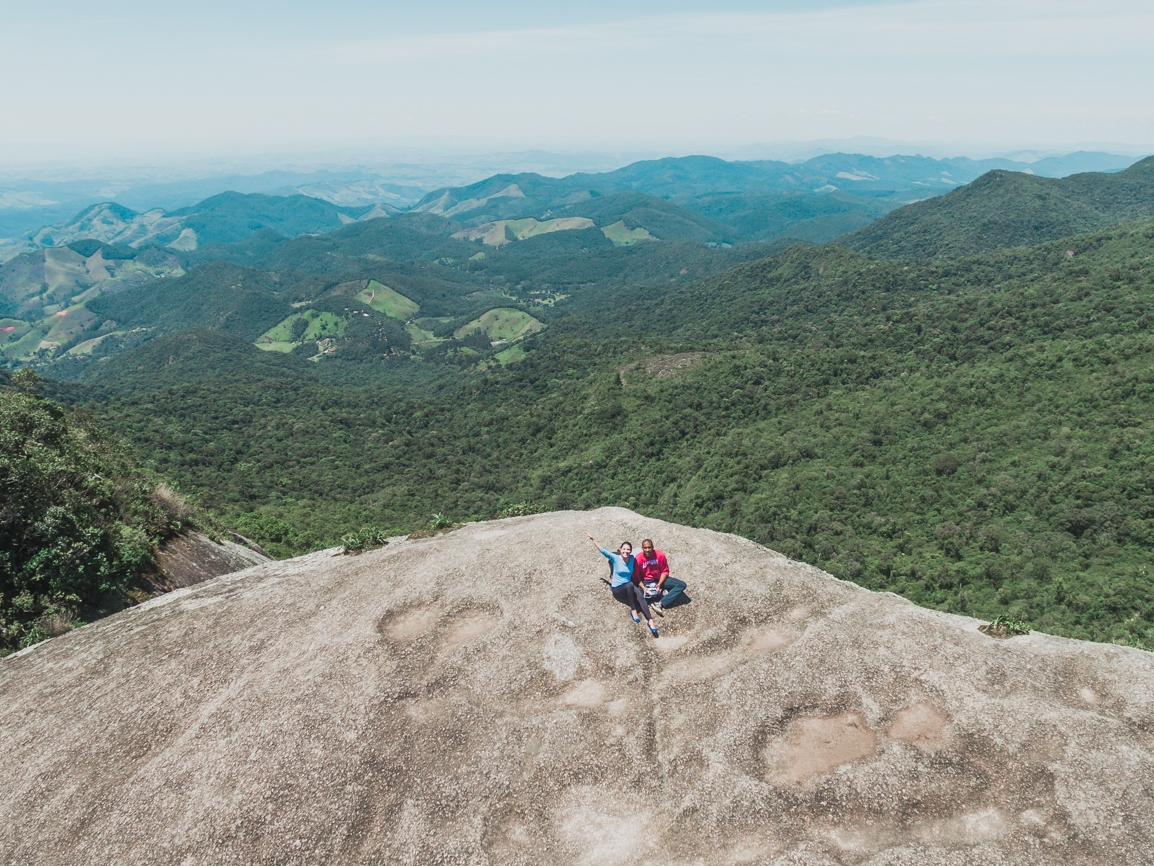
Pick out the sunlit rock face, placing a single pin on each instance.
(480, 698)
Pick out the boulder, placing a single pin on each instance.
(479, 698)
(193, 557)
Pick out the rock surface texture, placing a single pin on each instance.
(194, 558)
(479, 698)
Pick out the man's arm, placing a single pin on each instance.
(663, 565)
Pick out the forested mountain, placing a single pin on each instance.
(868, 186)
(681, 179)
(1006, 209)
(223, 218)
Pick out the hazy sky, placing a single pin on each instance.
(203, 74)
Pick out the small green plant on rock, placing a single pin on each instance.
(1005, 626)
(366, 539)
(519, 509)
(437, 524)
(1135, 643)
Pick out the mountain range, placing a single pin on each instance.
(752, 200)
(483, 243)
(223, 218)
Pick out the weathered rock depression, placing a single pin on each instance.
(479, 698)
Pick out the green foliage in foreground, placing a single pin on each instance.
(975, 436)
(366, 538)
(1004, 626)
(78, 519)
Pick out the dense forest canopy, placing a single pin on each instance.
(80, 519)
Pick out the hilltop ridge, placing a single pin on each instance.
(448, 700)
(223, 218)
(1004, 209)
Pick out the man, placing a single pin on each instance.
(651, 568)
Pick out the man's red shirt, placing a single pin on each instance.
(650, 569)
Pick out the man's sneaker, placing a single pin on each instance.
(656, 607)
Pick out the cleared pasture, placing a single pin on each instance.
(502, 323)
(384, 300)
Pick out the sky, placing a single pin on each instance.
(125, 76)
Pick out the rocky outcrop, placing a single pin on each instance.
(193, 557)
(479, 697)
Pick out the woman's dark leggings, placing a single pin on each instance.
(631, 594)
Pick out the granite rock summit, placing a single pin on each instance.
(479, 698)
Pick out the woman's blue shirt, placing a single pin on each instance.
(622, 568)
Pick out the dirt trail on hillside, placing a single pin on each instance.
(479, 698)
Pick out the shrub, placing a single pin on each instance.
(946, 464)
(366, 539)
(171, 503)
(78, 522)
(1006, 626)
(519, 509)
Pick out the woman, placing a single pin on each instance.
(621, 584)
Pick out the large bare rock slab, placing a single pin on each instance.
(193, 558)
(479, 698)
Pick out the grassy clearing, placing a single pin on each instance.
(558, 225)
(495, 234)
(502, 323)
(27, 343)
(624, 237)
(277, 346)
(504, 358)
(511, 355)
(384, 300)
(87, 346)
(421, 338)
(282, 331)
(12, 330)
(325, 325)
(318, 325)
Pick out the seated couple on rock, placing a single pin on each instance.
(640, 581)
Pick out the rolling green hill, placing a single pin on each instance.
(221, 219)
(1007, 209)
(218, 296)
(234, 216)
(812, 218)
(37, 284)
